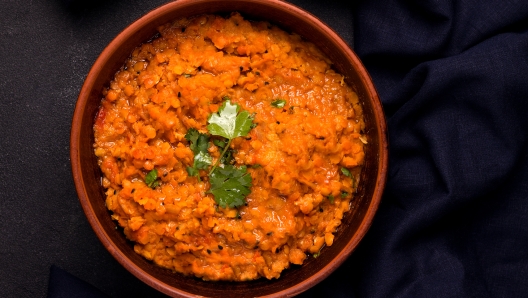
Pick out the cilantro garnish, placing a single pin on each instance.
(151, 179)
(331, 199)
(230, 185)
(346, 172)
(279, 103)
(230, 124)
(199, 143)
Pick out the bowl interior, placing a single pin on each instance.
(87, 175)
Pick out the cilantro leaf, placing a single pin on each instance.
(151, 179)
(230, 185)
(202, 160)
(279, 103)
(199, 143)
(346, 172)
(228, 122)
(192, 171)
(220, 143)
(331, 199)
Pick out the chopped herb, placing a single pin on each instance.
(346, 172)
(331, 198)
(256, 166)
(344, 194)
(219, 143)
(230, 185)
(199, 143)
(151, 179)
(279, 103)
(186, 75)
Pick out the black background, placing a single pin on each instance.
(453, 79)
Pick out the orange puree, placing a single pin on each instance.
(304, 158)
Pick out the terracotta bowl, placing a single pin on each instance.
(87, 175)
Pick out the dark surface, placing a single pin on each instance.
(453, 77)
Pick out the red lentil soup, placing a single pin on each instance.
(304, 150)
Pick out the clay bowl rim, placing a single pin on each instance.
(304, 17)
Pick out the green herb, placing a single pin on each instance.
(331, 198)
(199, 143)
(230, 124)
(279, 103)
(346, 172)
(151, 179)
(186, 75)
(230, 185)
(256, 166)
(344, 194)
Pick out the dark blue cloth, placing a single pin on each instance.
(65, 285)
(453, 79)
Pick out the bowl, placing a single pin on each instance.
(87, 175)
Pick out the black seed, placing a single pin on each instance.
(220, 247)
(133, 190)
(183, 29)
(209, 251)
(179, 94)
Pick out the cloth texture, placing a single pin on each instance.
(64, 285)
(453, 79)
